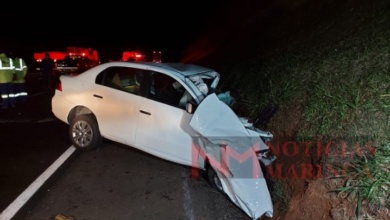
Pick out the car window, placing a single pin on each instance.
(122, 78)
(167, 90)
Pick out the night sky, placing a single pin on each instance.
(110, 27)
(185, 31)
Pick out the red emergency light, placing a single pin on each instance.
(55, 55)
(133, 56)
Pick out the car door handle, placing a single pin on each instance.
(97, 96)
(144, 112)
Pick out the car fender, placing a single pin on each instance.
(230, 150)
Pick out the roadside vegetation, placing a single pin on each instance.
(338, 90)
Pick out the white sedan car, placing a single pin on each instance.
(172, 111)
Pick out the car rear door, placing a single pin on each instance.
(117, 103)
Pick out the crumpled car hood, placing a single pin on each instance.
(231, 146)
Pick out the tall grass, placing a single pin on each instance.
(368, 178)
(341, 88)
(344, 88)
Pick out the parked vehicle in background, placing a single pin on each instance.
(172, 111)
(55, 55)
(39, 56)
(156, 56)
(66, 65)
(135, 56)
(72, 60)
(74, 64)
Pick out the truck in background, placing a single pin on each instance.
(137, 56)
(72, 60)
(156, 56)
(55, 55)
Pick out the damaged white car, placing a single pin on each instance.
(170, 110)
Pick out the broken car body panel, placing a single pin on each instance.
(145, 118)
(231, 150)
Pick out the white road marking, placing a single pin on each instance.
(189, 212)
(21, 200)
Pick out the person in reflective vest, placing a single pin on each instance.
(7, 71)
(19, 81)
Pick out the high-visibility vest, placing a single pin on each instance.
(10, 67)
(21, 64)
(20, 70)
(6, 72)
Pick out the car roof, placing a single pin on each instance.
(182, 69)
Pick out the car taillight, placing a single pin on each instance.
(59, 85)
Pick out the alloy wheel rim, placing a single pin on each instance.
(82, 133)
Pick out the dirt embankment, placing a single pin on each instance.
(309, 169)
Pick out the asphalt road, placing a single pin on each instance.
(31, 139)
(112, 182)
(117, 182)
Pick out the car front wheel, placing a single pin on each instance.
(84, 133)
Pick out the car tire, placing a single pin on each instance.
(214, 179)
(84, 133)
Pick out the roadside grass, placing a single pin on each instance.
(279, 193)
(368, 179)
(344, 88)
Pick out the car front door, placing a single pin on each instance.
(163, 124)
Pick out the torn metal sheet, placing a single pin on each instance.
(231, 149)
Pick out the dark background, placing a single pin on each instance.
(108, 26)
(201, 32)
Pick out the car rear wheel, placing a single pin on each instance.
(84, 133)
(213, 179)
